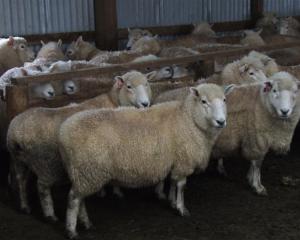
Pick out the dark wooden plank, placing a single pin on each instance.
(106, 25)
(186, 29)
(16, 100)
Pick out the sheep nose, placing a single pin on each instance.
(51, 94)
(71, 88)
(145, 104)
(221, 122)
(284, 111)
(128, 48)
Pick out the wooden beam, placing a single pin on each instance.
(106, 24)
(186, 29)
(257, 9)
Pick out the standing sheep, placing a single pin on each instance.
(14, 52)
(261, 117)
(135, 148)
(32, 136)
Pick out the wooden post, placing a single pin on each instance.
(16, 100)
(257, 9)
(106, 24)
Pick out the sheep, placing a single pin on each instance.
(253, 39)
(14, 52)
(151, 148)
(261, 117)
(173, 52)
(135, 34)
(32, 136)
(81, 50)
(268, 22)
(204, 29)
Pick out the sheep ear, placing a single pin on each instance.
(119, 81)
(194, 91)
(43, 43)
(11, 41)
(79, 41)
(268, 86)
(151, 75)
(243, 68)
(229, 88)
(59, 43)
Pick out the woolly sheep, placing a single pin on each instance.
(135, 34)
(204, 29)
(32, 136)
(261, 117)
(14, 52)
(253, 39)
(151, 148)
(268, 23)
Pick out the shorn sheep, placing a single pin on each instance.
(135, 148)
(14, 52)
(32, 136)
(261, 117)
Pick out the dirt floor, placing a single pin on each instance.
(221, 209)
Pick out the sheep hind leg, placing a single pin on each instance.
(180, 198)
(172, 193)
(254, 178)
(44, 192)
(83, 216)
(159, 190)
(74, 203)
(221, 168)
(21, 177)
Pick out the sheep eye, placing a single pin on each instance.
(274, 91)
(251, 73)
(224, 100)
(203, 101)
(22, 46)
(70, 52)
(129, 87)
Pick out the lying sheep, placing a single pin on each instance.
(151, 148)
(14, 52)
(32, 136)
(135, 34)
(268, 23)
(204, 29)
(261, 118)
(253, 38)
(289, 26)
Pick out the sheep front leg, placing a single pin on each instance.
(180, 198)
(254, 177)
(172, 193)
(74, 203)
(83, 216)
(46, 201)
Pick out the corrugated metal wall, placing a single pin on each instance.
(19, 17)
(173, 12)
(283, 7)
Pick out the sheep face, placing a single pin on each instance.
(45, 91)
(135, 89)
(134, 35)
(250, 73)
(281, 91)
(21, 48)
(51, 51)
(210, 102)
(70, 87)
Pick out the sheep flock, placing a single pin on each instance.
(140, 134)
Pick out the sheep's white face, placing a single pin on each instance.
(134, 35)
(211, 104)
(70, 87)
(251, 74)
(136, 90)
(24, 52)
(45, 91)
(165, 72)
(282, 95)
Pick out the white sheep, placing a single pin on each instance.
(261, 117)
(135, 34)
(32, 136)
(14, 52)
(268, 22)
(135, 148)
(253, 38)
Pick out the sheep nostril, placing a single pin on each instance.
(145, 104)
(284, 111)
(221, 122)
(51, 94)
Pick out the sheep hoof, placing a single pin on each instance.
(72, 235)
(89, 226)
(184, 212)
(262, 192)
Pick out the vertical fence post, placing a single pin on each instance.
(106, 24)
(16, 100)
(257, 8)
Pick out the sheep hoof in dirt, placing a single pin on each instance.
(25, 209)
(184, 212)
(72, 235)
(51, 219)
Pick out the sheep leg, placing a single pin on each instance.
(117, 191)
(22, 175)
(254, 178)
(159, 190)
(172, 193)
(102, 193)
(220, 167)
(83, 216)
(46, 201)
(72, 215)
(180, 198)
